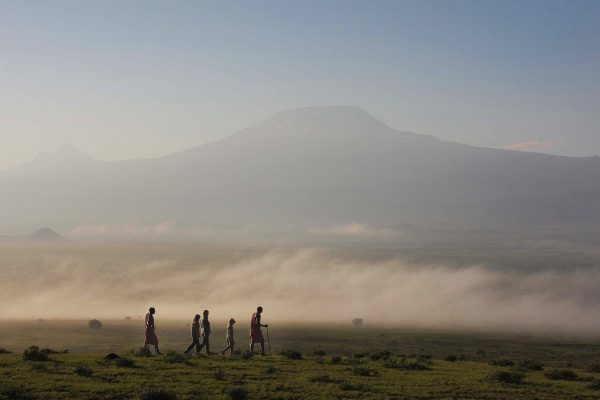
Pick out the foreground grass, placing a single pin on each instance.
(91, 376)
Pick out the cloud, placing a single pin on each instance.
(123, 231)
(356, 230)
(298, 285)
(530, 145)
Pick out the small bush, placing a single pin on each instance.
(173, 357)
(561, 374)
(502, 363)
(125, 362)
(34, 354)
(219, 374)
(4, 351)
(322, 379)
(595, 368)
(111, 356)
(513, 378)
(451, 358)
(291, 354)
(346, 386)
(143, 351)
(52, 351)
(362, 371)
(155, 393)
(10, 391)
(524, 366)
(336, 360)
(382, 355)
(94, 324)
(83, 371)
(236, 393)
(410, 364)
(594, 384)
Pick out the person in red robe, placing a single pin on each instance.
(256, 335)
(150, 333)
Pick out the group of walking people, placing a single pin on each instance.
(201, 333)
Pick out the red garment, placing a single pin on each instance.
(255, 332)
(150, 334)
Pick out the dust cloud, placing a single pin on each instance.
(303, 285)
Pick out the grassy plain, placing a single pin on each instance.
(337, 362)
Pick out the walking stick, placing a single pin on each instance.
(268, 340)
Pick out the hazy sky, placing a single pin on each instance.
(125, 79)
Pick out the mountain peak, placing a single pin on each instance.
(317, 122)
(326, 117)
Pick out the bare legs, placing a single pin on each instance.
(230, 344)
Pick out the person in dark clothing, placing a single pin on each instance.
(205, 332)
(230, 341)
(195, 335)
(150, 331)
(256, 335)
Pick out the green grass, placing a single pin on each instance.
(374, 363)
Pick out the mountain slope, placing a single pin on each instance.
(309, 168)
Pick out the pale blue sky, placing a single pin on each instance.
(127, 79)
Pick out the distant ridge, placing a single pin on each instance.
(41, 235)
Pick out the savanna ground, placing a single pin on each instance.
(308, 362)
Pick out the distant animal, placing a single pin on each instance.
(357, 322)
(94, 324)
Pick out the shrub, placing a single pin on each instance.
(595, 368)
(52, 351)
(322, 379)
(83, 371)
(14, 392)
(4, 351)
(362, 371)
(524, 366)
(410, 364)
(174, 357)
(94, 324)
(502, 363)
(219, 374)
(236, 393)
(155, 393)
(111, 356)
(345, 386)
(561, 374)
(594, 384)
(125, 362)
(513, 378)
(291, 354)
(382, 355)
(336, 360)
(451, 358)
(34, 354)
(143, 351)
